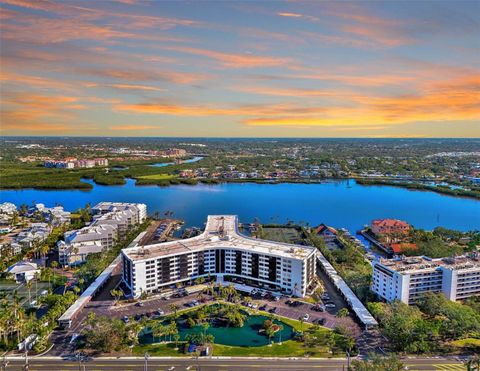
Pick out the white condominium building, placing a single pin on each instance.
(220, 251)
(407, 279)
(139, 210)
(122, 221)
(111, 222)
(79, 243)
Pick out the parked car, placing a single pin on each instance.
(139, 304)
(297, 303)
(263, 307)
(330, 305)
(321, 321)
(306, 316)
(276, 298)
(272, 310)
(288, 302)
(125, 319)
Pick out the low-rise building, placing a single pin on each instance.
(72, 163)
(78, 244)
(23, 271)
(111, 223)
(54, 215)
(389, 227)
(328, 234)
(407, 279)
(7, 208)
(140, 210)
(222, 252)
(36, 233)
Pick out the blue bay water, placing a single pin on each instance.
(336, 203)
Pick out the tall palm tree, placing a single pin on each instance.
(473, 363)
(28, 284)
(174, 308)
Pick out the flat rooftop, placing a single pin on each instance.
(221, 231)
(419, 263)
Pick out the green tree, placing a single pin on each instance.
(376, 362)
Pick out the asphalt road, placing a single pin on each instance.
(208, 364)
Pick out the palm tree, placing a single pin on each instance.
(331, 341)
(116, 294)
(158, 330)
(473, 363)
(205, 327)
(174, 308)
(176, 337)
(301, 323)
(29, 288)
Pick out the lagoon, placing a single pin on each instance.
(337, 203)
(246, 336)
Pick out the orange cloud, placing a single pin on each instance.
(293, 92)
(145, 75)
(126, 86)
(232, 60)
(176, 110)
(297, 15)
(34, 81)
(287, 14)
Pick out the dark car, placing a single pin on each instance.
(289, 302)
(297, 303)
(321, 321)
(272, 310)
(263, 307)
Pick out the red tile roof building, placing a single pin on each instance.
(399, 248)
(390, 227)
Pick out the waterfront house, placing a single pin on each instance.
(389, 227)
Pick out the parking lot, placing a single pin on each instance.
(281, 307)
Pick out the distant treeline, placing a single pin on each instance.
(422, 187)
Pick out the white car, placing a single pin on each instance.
(254, 306)
(306, 317)
(331, 305)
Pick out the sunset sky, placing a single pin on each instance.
(240, 69)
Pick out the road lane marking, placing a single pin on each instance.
(453, 367)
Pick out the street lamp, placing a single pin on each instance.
(4, 364)
(26, 358)
(145, 357)
(80, 362)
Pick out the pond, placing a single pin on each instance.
(246, 336)
(189, 161)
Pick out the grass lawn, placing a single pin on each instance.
(282, 234)
(159, 350)
(289, 348)
(157, 177)
(466, 343)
